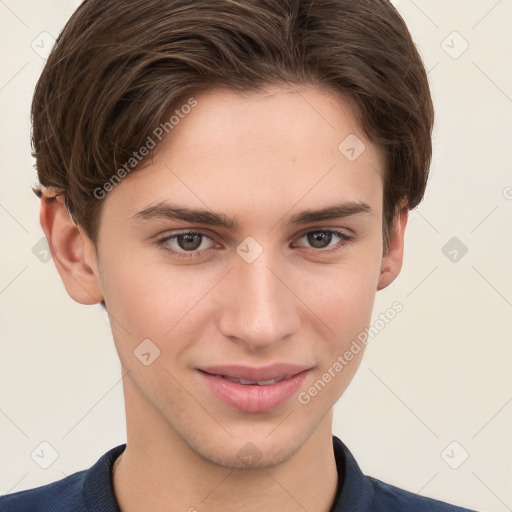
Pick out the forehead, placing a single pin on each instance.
(259, 151)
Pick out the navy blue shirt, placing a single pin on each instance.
(91, 491)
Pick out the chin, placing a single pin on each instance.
(250, 450)
(249, 456)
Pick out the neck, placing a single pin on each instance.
(159, 471)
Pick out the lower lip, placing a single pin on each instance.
(249, 398)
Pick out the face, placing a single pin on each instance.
(247, 254)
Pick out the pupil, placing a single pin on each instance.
(189, 241)
(319, 239)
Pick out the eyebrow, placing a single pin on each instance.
(164, 210)
(336, 211)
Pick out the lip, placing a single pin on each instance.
(254, 398)
(272, 371)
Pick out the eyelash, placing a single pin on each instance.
(344, 240)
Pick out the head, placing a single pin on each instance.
(301, 130)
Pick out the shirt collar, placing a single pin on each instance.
(354, 492)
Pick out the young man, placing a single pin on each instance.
(231, 180)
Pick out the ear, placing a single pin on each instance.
(73, 252)
(392, 261)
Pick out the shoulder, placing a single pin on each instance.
(360, 493)
(387, 497)
(63, 495)
(89, 490)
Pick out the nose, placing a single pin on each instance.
(259, 307)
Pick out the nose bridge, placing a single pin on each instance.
(261, 309)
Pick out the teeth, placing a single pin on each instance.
(255, 382)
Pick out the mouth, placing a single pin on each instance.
(254, 389)
(262, 376)
(246, 382)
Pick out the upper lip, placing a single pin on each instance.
(270, 372)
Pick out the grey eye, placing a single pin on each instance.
(319, 239)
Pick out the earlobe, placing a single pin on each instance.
(392, 260)
(72, 251)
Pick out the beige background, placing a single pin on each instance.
(439, 372)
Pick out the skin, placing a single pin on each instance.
(259, 158)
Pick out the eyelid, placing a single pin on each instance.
(185, 231)
(346, 232)
(161, 242)
(344, 239)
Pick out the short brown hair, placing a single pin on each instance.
(120, 66)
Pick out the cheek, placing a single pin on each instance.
(152, 300)
(343, 295)
(342, 298)
(163, 302)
